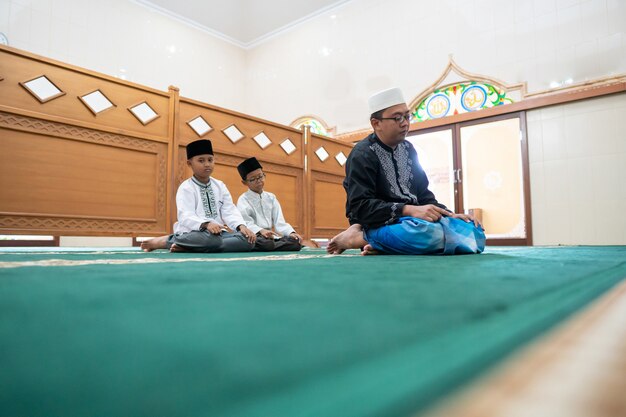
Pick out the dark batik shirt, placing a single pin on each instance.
(380, 181)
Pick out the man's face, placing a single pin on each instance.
(255, 180)
(202, 166)
(389, 130)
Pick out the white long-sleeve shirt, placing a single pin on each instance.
(263, 211)
(191, 210)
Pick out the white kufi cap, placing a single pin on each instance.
(385, 99)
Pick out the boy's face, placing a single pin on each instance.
(202, 166)
(255, 180)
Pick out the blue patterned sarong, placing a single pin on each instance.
(413, 236)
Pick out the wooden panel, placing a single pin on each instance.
(327, 197)
(333, 147)
(230, 176)
(79, 181)
(107, 174)
(329, 205)
(17, 66)
(220, 119)
(288, 193)
(75, 178)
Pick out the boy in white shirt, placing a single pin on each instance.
(205, 207)
(262, 212)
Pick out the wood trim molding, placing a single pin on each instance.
(326, 177)
(28, 124)
(43, 224)
(173, 129)
(76, 123)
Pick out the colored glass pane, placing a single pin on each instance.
(314, 125)
(459, 98)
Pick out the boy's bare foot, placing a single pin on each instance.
(176, 248)
(351, 238)
(155, 243)
(369, 250)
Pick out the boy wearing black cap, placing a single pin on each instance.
(204, 206)
(262, 212)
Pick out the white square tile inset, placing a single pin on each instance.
(288, 146)
(200, 126)
(96, 102)
(144, 113)
(321, 153)
(262, 140)
(233, 133)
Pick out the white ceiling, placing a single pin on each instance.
(243, 22)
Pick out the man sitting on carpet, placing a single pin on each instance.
(205, 208)
(262, 212)
(389, 206)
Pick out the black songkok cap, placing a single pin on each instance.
(248, 166)
(199, 147)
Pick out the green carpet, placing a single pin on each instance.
(123, 333)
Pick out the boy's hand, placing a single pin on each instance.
(268, 234)
(214, 228)
(247, 233)
(295, 236)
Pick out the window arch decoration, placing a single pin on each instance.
(316, 125)
(458, 91)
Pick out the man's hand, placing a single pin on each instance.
(268, 234)
(429, 212)
(213, 228)
(468, 218)
(295, 236)
(247, 233)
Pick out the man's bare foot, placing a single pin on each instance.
(155, 243)
(176, 248)
(351, 238)
(369, 250)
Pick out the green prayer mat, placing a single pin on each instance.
(105, 333)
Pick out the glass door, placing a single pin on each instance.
(436, 156)
(481, 167)
(493, 176)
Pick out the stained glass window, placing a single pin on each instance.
(459, 98)
(314, 125)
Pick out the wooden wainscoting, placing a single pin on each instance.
(327, 198)
(69, 169)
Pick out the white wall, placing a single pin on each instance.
(123, 39)
(329, 66)
(577, 155)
